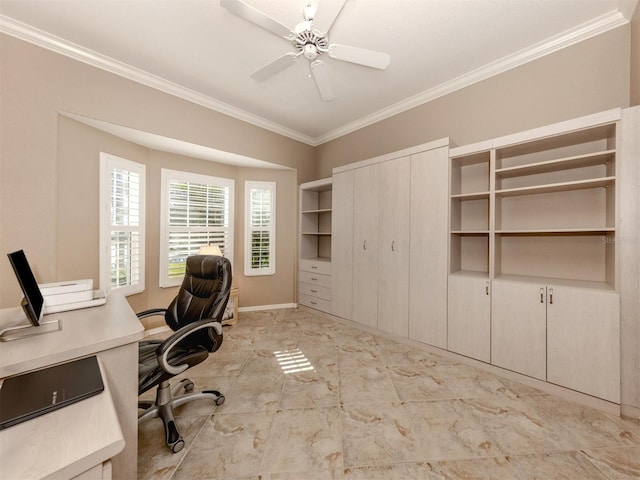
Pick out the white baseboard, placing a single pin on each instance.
(267, 307)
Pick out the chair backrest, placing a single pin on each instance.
(204, 293)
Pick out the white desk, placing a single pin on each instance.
(111, 332)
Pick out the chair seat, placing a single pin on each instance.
(151, 374)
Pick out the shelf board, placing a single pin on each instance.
(470, 196)
(322, 210)
(470, 274)
(556, 231)
(317, 233)
(557, 187)
(469, 232)
(577, 161)
(560, 282)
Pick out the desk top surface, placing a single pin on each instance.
(63, 443)
(84, 332)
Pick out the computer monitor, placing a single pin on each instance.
(33, 303)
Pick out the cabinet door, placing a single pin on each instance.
(518, 327)
(469, 324)
(342, 245)
(428, 266)
(393, 247)
(365, 245)
(583, 327)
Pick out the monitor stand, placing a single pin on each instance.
(23, 331)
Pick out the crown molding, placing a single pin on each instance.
(570, 37)
(56, 44)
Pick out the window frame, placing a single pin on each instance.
(167, 176)
(108, 163)
(249, 270)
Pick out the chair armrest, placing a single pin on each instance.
(170, 342)
(151, 312)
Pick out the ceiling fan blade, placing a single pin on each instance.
(326, 13)
(361, 56)
(275, 66)
(319, 73)
(241, 9)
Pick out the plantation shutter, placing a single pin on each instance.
(122, 225)
(198, 212)
(260, 228)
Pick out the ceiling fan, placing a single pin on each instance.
(309, 39)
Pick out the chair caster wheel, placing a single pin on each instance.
(176, 447)
(220, 400)
(188, 386)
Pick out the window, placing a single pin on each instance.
(196, 210)
(122, 195)
(260, 228)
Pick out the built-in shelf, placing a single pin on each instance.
(541, 207)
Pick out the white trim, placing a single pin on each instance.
(570, 37)
(267, 307)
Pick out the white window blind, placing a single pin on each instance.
(260, 224)
(122, 196)
(197, 210)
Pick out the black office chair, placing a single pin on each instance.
(195, 316)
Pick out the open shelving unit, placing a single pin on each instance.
(315, 220)
(537, 205)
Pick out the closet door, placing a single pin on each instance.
(429, 233)
(469, 326)
(342, 245)
(519, 327)
(583, 335)
(365, 245)
(393, 247)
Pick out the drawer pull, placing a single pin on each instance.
(312, 302)
(314, 266)
(314, 279)
(541, 295)
(314, 291)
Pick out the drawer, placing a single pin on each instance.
(314, 290)
(314, 302)
(317, 266)
(315, 278)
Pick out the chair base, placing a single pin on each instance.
(167, 399)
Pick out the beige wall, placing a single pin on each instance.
(48, 181)
(585, 78)
(79, 148)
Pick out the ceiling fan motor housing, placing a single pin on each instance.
(309, 43)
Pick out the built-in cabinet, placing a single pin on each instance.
(533, 219)
(392, 261)
(315, 229)
(507, 251)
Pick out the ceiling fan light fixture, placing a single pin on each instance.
(310, 51)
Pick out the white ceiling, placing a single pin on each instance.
(200, 51)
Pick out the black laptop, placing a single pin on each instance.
(30, 395)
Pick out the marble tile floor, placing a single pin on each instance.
(308, 398)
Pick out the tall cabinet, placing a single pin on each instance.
(315, 229)
(390, 227)
(532, 241)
